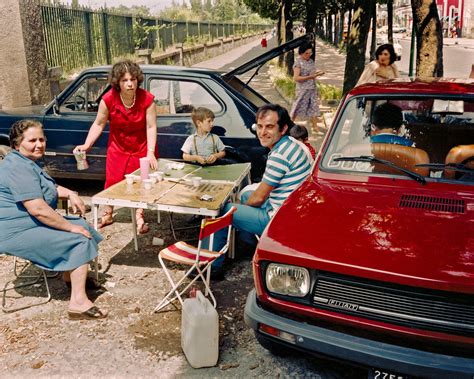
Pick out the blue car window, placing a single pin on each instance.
(180, 97)
(86, 96)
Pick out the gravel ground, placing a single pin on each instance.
(133, 341)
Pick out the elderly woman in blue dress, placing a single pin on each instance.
(306, 105)
(30, 227)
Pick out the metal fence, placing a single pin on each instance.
(77, 38)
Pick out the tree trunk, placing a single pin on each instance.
(373, 41)
(289, 57)
(357, 42)
(429, 39)
(390, 21)
(310, 23)
(280, 30)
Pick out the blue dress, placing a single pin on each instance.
(23, 235)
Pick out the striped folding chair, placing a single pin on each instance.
(197, 258)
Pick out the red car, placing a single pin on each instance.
(371, 259)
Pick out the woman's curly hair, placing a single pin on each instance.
(119, 69)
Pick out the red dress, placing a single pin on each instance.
(127, 134)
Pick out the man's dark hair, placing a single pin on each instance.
(304, 47)
(387, 115)
(299, 132)
(389, 48)
(283, 116)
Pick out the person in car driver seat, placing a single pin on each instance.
(386, 122)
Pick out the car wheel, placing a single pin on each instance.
(273, 347)
(4, 150)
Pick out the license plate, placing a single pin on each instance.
(375, 373)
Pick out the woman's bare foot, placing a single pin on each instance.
(107, 219)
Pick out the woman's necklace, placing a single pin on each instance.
(125, 105)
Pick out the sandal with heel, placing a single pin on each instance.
(142, 226)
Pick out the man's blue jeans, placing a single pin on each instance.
(249, 220)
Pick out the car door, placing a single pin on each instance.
(67, 123)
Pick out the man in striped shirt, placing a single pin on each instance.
(288, 164)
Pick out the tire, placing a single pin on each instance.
(4, 150)
(278, 349)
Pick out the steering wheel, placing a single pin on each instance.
(79, 103)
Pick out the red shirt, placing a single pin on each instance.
(127, 134)
(311, 149)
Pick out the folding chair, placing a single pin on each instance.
(197, 258)
(26, 281)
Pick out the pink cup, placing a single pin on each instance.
(144, 167)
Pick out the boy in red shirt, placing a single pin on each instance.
(300, 133)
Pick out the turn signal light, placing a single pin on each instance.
(267, 329)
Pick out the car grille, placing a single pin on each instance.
(437, 204)
(406, 306)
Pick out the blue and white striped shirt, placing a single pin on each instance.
(288, 164)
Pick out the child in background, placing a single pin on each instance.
(203, 147)
(300, 133)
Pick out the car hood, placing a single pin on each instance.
(365, 231)
(269, 55)
(28, 110)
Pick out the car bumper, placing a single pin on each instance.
(358, 350)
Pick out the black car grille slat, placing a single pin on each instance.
(345, 294)
(437, 204)
(406, 306)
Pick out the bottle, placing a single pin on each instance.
(200, 331)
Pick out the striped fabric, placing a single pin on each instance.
(288, 165)
(183, 253)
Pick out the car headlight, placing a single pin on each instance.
(287, 280)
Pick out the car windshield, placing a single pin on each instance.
(418, 137)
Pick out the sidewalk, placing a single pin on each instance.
(467, 43)
(328, 59)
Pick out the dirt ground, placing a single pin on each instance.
(134, 341)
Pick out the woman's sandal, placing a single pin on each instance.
(142, 226)
(107, 219)
(93, 313)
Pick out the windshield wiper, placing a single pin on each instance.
(369, 158)
(460, 167)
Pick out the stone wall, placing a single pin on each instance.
(14, 89)
(23, 79)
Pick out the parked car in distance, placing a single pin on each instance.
(371, 259)
(177, 90)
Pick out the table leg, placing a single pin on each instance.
(96, 223)
(134, 226)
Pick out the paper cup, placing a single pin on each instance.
(129, 178)
(147, 184)
(81, 160)
(197, 181)
(153, 178)
(159, 175)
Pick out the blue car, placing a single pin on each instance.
(68, 117)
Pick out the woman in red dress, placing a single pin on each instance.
(132, 130)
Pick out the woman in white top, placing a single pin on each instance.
(383, 67)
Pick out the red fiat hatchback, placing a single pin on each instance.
(371, 259)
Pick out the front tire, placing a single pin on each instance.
(4, 150)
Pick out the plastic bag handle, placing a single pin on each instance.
(202, 299)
